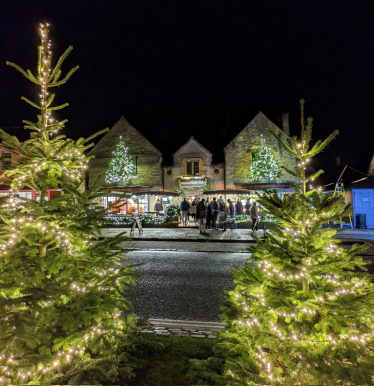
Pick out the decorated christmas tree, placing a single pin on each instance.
(61, 287)
(121, 167)
(264, 166)
(302, 310)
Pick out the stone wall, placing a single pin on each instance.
(193, 151)
(148, 171)
(147, 158)
(239, 152)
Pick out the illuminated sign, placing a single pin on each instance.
(192, 183)
(270, 185)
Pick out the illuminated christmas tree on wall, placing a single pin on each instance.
(121, 167)
(264, 166)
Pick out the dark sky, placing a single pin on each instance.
(203, 68)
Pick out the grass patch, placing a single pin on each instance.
(169, 365)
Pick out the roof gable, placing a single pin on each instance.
(135, 141)
(259, 123)
(190, 146)
(371, 167)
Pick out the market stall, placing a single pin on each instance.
(147, 200)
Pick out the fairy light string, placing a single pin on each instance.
(59, 239)
(304, 306)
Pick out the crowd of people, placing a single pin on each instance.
(208, 212)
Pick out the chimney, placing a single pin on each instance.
(285, 124)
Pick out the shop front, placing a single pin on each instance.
(192, 186)
(121, 200)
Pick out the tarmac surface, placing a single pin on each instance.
(182, 285)
(185, 274)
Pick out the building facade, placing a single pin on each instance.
(147, 160)
(193, 170)
(25, 192)
(240, 151)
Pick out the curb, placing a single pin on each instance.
(186, 328)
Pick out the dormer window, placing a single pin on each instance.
(192, 168)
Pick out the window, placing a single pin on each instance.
(192, 168)
(196, 168)
(27, 195)
(6, 161)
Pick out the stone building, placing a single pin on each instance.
(239, 153)
(147, 160)
(192, 169)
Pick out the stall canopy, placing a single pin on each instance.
(227, 191)
(155, 193)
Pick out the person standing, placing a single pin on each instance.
(224, 212)
(231, 208)
(158, 207)
(239, 208)
(248, 207)
(209, 215)
(220, 200)
(254, 216)
(214, 208)
(184, 209)
(200, 215)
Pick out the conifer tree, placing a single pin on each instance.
(61, 287)
(263, 166)
(302, 310)
(121, 167)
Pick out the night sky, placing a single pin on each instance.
(203, 68)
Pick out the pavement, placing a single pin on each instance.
(236, 235)
(363, 235)
(186, 234)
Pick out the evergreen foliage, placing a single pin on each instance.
(172, 210)
(121, 167)
(302, 308)
(264, 166)
(60, 286)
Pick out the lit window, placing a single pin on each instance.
(6, 162)
(196, 168)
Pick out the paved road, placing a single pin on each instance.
(182, 285)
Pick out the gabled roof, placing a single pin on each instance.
(259, 122)
(197, 143)
(364, 183)
(371, 167)
(124, 129)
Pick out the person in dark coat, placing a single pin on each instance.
(184, 209)
(214, 209)
(158, 207)
(231, 208)
(239, 208)
(209, 215)
(200, 215)
(248, 207)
